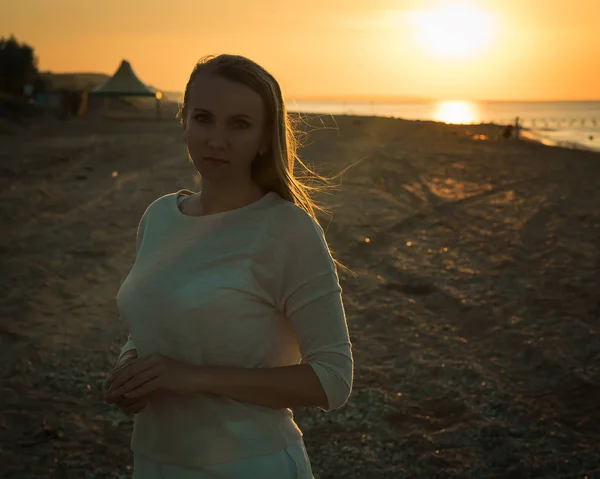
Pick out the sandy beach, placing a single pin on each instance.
(474, 316)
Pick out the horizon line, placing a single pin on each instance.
(364, 98)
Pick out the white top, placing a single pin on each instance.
(251, 287)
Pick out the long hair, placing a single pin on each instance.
(274, 170)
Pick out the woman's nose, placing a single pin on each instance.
(218, 138)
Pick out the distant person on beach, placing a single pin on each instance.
(233, 302)
(517, 128)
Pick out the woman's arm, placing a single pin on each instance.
(323, 379)
(283, 387)
(310, 297)
(128, 350)
(325, 376)
(126, 357)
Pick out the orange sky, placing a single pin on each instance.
(526, 49)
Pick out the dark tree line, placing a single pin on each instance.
(18, 67)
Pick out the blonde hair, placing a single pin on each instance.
(275, 169)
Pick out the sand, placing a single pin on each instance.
(474, 316)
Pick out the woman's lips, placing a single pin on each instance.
(216, 161)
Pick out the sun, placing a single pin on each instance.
(453, 30)
(456, 112)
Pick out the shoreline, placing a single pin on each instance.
(585, 135)
(531, 135)
(527, 134)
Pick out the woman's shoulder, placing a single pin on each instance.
(297, 221)
(290, 213)
(164, 200)
(171, 196)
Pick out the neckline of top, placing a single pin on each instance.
(244, 208)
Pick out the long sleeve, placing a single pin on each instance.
(130, 344)
(312, 300)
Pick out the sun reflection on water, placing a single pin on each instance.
(456, 112)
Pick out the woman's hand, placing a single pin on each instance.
(143, 375)
(131, 406)
(128, 406)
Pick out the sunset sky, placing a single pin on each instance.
(464, 50)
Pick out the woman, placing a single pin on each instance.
(233, 302)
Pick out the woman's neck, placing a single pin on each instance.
(219, 198)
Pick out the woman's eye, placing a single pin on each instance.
(238, 124)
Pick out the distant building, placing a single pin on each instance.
(125, 83)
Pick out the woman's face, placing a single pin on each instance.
(225, 121)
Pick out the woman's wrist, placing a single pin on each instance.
(125, 358)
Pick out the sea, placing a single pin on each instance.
(570, 124)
